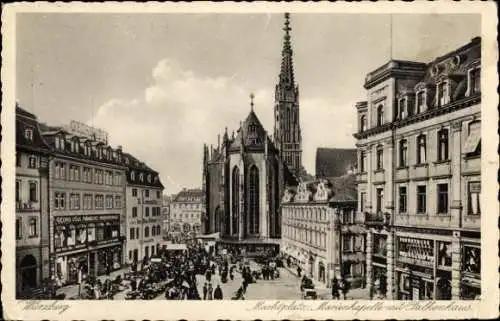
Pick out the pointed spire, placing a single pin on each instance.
(286, 74)
(225, 137)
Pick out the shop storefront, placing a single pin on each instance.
(470, 285)
(419, 275)
(379, 263)
(87, 243)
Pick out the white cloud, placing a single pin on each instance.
(168, 126)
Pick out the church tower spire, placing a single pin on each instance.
(287, 133)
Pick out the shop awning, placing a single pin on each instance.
(474, 138)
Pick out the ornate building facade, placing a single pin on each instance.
(245, 175)
(419, 176)
(87, 197)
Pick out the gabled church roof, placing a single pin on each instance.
(251, 133)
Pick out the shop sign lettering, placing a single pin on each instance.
(70, 248)
(75, 219)
(415, 250)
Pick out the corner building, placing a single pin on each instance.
(144, 217)
(86, 192)
(419, 176)
(32, 173)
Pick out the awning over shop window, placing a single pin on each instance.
(474, 138)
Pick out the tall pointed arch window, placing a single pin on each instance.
(235, 193)
(253, 194)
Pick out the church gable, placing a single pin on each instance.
(251, 134)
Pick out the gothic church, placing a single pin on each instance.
(245, 175)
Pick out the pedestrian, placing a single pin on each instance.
(335, 288)
(299, 271)
(218, 293)
(210, 291)
(205, 290)
(108, 269)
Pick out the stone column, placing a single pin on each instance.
(369, 261)
(456, 157)
(241, 214)
(369, 176)
(390, 266)
(456, 266)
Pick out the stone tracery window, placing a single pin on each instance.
(253, 189)
(235, 206)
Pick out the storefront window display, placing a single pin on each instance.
(444, 254)
(471, 281)
(379, 245)
(380, 281)
(443, 285)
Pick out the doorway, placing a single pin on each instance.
(28, 268)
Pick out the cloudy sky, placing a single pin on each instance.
(163, 84)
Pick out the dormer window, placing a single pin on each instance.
(28, 134)
(420, 103)
(443, 93)
(132, 175)
(380, 115)
(474, 81)
(141, 177)
(59, 142)
(149, 178)
(362, 123)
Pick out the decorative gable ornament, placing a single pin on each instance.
(304, 195)
(289, 196)
(323, 192)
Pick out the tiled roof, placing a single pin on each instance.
(26, 120)
(344, 188)
(134, 164)
(334, 162)
(195, 193)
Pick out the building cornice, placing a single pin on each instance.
(434, 112)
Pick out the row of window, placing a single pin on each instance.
(33, 160)
(90, 149)
(133, 255)
(472, 147)
(187, 206)
(32, 227)
(146, 193)
(186, 227)
(149, 178)
(86, 174)
(134, 233)
(307, 214)
(443, 97)
(314, 238)
(186, 215)
(155, 211)
(32, 191)
(90, 201)
(67, 236)
(442, 200)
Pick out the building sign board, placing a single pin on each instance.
(81, 129)
(78, 219)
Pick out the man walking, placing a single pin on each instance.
(218, 293)
(205, 290)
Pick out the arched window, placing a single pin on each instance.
(253, 194)
(380, 115)
(146, 231)
(235, 206)
(443, 144)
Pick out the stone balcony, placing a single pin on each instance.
(402, 174)
(377, 219)
(441, 168)
(361, 177)
(419, 171)
(424, 220)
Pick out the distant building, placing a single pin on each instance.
(144, 215)
(32, 173)
(419, 176)
(322, 233)
(186, 212)
(167, 199)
